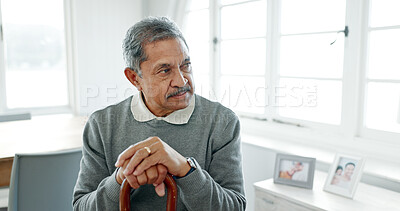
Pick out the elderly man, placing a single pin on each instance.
(164, 128)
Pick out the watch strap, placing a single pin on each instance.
(192, 164)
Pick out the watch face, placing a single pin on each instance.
(191, 163)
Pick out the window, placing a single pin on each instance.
(308, 63)
(382, 78)
(33, 59)
(242, 55)
(328, 65)
(197, 36)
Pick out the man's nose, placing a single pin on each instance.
(178, 79)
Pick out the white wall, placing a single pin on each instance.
(99, 27)
(258, 165)
(175, 9)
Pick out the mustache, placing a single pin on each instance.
(180, 90)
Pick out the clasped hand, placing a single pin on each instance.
(140, 167)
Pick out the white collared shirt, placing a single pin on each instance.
(142, 114)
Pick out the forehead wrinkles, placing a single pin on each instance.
(165, 48)
(170, 62)
(170, 59)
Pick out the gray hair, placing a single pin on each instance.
(148, 30)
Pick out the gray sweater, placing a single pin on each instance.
(212, 137)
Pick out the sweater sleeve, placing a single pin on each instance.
(96, 188)
(221, 187)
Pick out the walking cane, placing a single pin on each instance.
(124, 194)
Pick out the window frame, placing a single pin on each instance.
(217, 54)
(3, 98)
(305, 123)
(71, 106)
(271, 71)
(352, 127)
(364, 132)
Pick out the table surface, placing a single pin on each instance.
(38, 135)
(41, 134)
(367, 197)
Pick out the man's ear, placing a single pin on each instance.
(133, 77)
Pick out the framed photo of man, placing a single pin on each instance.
(294, 170)
(344, 175)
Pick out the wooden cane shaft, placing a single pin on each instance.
(125, 191)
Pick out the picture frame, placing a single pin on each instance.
(344, 175)
(294, 170)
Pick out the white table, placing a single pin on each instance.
(40, 134)
(270, 196)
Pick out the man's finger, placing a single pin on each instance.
(120, 175)
(160, 190)
(162, 173)
(126, 154)
(132, 180)
(142, 179)
(137, 158)
(151, 174)
(131, 150)
(146, 163)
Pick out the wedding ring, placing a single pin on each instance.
(148, 150)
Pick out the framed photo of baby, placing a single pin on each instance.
(344, 175)
(294, 170)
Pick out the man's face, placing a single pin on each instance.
(298, 166)
(167, 79)
(348, 170)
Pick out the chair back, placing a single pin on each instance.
(45, 181)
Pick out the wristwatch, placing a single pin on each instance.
(192, 164)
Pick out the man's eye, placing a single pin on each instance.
(186, 66)
(165, 71)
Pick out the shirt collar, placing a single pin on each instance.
(142, 114)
